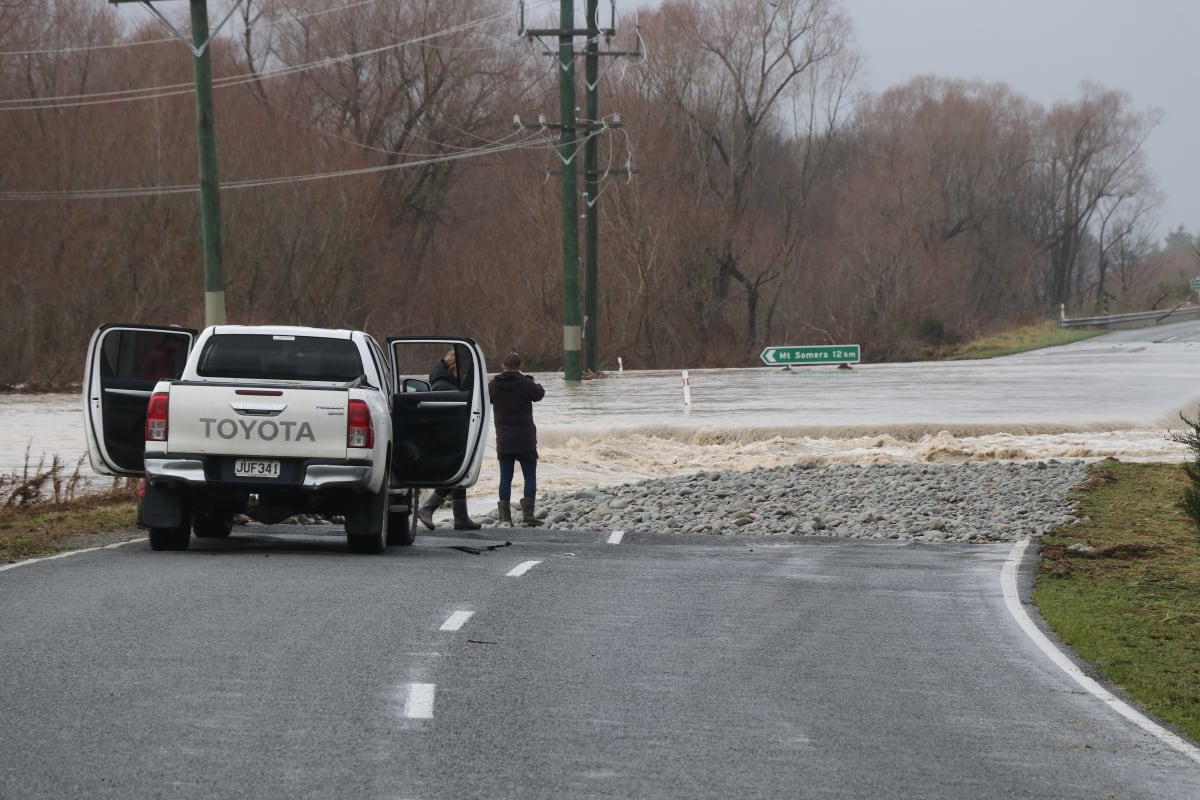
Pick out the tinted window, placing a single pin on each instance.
(294, 358)
(144, 355)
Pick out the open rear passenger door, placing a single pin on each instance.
(439, 435)
(124, 362)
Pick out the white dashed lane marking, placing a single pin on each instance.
(615, 537)
(456, 620)
(521, 569)
(419, 704)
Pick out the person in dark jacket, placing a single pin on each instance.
(444, 377)
(513, 394)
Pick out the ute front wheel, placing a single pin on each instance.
(402, 525)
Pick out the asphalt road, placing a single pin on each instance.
(555, 666)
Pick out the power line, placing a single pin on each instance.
(528, 143)
(172, 90)
(91, 48)
(122, 45)
(536, 142)
(490, 146)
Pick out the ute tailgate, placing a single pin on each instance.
(285, 422)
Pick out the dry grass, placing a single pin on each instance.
(38, 484)
(47, 509)
(1022, 339)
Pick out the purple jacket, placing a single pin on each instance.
(513, 395)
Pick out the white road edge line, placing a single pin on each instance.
(419, 704)
(615, 537)
(1012, 598)
(521, 569)
(112, 546)
(456, 620)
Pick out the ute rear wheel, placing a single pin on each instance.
(212, 524)
(176, 538)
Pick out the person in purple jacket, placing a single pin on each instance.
(513, 394)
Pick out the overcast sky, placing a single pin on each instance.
(1043, 49)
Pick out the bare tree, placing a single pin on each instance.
(758, 211)
(731, 71)
(930, 209)
(415, 81)
(1091, 151)
(1124, 238)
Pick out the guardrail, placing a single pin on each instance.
(1135, 319)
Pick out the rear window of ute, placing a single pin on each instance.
(287, 358)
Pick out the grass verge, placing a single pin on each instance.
(1021, 340)
(48, 508)
(30, 532)
(1122, 587)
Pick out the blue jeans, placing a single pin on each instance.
(508, 463)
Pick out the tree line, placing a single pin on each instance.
(374, 175)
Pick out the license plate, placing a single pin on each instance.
(251, 468)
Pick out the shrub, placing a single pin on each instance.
(1190, 502)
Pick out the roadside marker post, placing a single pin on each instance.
(687, 389)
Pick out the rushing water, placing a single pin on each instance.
(1119, 395)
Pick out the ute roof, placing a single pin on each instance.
(282, 330)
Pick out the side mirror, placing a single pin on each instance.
(414, 385)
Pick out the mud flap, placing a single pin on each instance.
(161, 507)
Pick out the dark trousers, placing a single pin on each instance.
(508, 462)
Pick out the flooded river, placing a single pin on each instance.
(1118, 395)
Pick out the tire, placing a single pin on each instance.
(402, 525)
(367, 523)
(170, 538)
(212, 524)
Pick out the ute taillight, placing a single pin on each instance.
(156, 418)
(359, 430)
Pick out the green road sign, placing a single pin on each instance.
(1195, 284)
(823, 354)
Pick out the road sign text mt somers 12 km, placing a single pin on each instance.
(820, 354)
